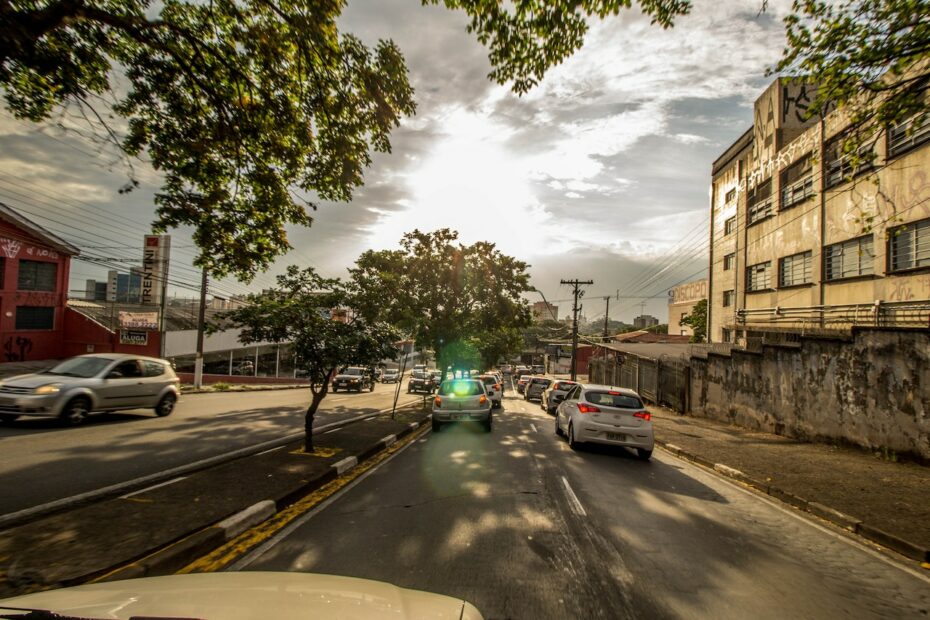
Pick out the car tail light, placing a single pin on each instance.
(437, 402)
(497, 386)
(644, 415)
(586, 408)
(482, 400)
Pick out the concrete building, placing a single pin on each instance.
(645, 320)
(801, 240)
(681, 302)
(543, 311)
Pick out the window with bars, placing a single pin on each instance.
(729, 297)
(795, 269)
(759, 276)
(35, 317)
(729, 226)
(728, 261)
(909, 134)
(759, 203)
(37, 275)
(797, 182)
(838, 163)
(849, 259)
(909, 246)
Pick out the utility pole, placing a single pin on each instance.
(201, 321)
(606, 330)
(575, 309)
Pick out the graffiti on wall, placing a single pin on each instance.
(796, 101)
(11, 248)
(16, 348)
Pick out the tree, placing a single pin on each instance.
(869, 58)
(446, 295)
(298, 311)
(697, 321)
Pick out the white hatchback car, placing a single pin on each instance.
(607, 415)
(461, 400)
(494, 387)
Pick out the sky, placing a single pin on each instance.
(601, 172)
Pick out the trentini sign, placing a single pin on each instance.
(155, 255)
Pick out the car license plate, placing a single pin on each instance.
(616, 436)
(459, 416)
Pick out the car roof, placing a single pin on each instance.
(611, 388)
(122, 356)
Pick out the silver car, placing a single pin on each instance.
(605, 414)
(461, 400)
(85, 384)
(535, 388)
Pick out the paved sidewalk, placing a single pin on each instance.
(160, 529)
(885, 501)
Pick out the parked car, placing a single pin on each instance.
(494, 387)
(87, 384)
(353, 378)
(391, 375)
(539, 369)
(535, 387)
(420, 381)
(506, 368)
(521, 382)
(554, 394)
(462, 400)
(607, 415)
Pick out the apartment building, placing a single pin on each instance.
(804, 237)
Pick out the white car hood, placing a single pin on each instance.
(238, 596)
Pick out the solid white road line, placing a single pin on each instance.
(154, 486)
(273, 449)
(533, 426)
(573, 499)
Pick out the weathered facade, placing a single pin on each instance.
(805, 237)
(681, 302)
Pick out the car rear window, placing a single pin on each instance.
(613, 399)
(489, 380)
(543, 382)
(461, 388)
(563, 385)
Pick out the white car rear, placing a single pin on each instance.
(607, 415)
(494, 387)
(461, 400)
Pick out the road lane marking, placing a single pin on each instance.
(273, 449)
(573, 499)
(533, 426)
(154, 486)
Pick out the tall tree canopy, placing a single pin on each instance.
(444, 293)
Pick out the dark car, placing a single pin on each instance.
(354, 378)
(421, 381)
(535, 387)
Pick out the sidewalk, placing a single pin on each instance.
(163, 528)
(882, 500)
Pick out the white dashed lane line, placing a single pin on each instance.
(573, 499)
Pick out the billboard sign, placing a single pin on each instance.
(138, 320)
(155, 255)
(136, 337)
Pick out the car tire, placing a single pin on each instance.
(487, 425)
(75, 411)
(371, 388)
(166, 405)
(643, 454)
(8, 418)
(335, 389)
(558, 430)
(436, 426)
(572, 442)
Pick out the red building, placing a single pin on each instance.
(34, 270)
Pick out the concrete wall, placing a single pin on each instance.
(872, 390)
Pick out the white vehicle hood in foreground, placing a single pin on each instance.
(235, 596)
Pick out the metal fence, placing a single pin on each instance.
(663, 381)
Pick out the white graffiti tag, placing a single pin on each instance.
(10, 247)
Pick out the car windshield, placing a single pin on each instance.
(353, 371)
(613, 399)
(542, 382)
(461, 388)
(420, 374)
(80, 367)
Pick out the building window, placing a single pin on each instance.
(728, 298)
(838, 165)
(726, 334)
(728, 261)
(909, 246)
(795, 269)
(729, 226)
(797, 182)
(849, 259)
(759, 276)
(730, 196)
(759, 202)
(35, 317)
(907, 135)
(37, 276)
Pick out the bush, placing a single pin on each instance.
(221, 386)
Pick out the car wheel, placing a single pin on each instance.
(558, 429)
(6, 418)
(572, 443)
(335, 389)
(76, 411)
(643, 454)
(166, 405)
(436, 426)
(487, 425)
(371, 388)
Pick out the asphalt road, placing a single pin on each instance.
(523, 527)
(41, 461)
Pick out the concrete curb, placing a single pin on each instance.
(182, 552)
(251, 388)
(847, 522)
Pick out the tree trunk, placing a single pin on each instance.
(308, 417)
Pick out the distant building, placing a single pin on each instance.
(119, 287)
(681, 301)
(544, 311)
(645, 320)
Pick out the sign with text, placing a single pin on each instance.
(692, 291)
(155, 256)
(138, 320)
(136, 337)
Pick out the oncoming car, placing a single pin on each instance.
(462, 400)
(79, 386)
(607, 415)
(354, 378)
(420, 381)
